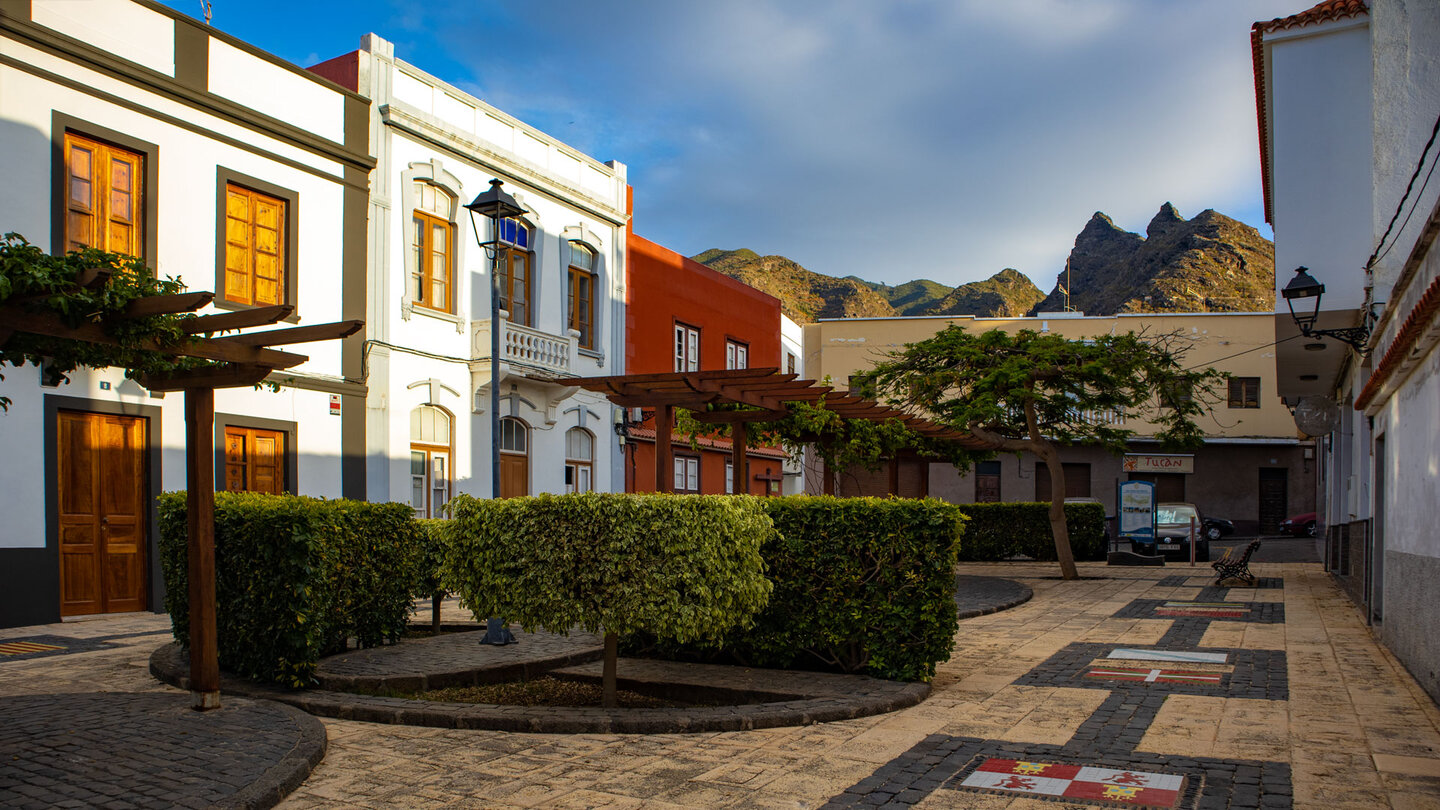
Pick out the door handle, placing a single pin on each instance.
(104, 521)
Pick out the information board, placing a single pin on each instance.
(1137, 510)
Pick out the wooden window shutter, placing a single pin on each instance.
(254, 247)
(104, 196)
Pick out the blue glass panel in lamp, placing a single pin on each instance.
(514, 233)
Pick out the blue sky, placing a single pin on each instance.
(889, 139)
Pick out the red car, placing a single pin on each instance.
(1301, 525)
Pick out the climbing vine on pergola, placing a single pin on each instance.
(93, 309)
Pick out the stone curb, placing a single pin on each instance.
(170, 664)
(290, 772)
(997, 594)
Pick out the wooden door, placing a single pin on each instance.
(514, 475)
(102, 516)
(254, 460)
(1274, 483)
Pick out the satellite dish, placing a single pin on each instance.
(1317, 415)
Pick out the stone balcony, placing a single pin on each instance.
(528, 351)
(539, 359)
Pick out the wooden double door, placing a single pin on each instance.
(102, 505)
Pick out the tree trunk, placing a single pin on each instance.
(435, 613)
(607, 677)
(1045, 451)
(1058, 529)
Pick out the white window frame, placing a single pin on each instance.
(737, 355)
(687, 474)
(687, 347)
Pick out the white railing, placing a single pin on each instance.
(531, 347)
(525, 347)
(1102, 416)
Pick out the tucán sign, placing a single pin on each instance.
(1155, 464)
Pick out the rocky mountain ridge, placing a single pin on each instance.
(1210, 263)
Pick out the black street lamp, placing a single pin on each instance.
(1304, 286)
(496, 206)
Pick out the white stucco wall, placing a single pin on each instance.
(189, 155)
(1319, 102)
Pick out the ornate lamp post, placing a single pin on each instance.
(496, 206)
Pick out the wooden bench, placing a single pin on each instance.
(1230, 566)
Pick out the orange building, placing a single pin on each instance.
(683, 316)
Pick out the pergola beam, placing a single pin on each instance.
(52, 326)
(297, 334)
(221, 376)
(166, 304)
(225, 321)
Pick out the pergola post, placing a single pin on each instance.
(200, 512)
(664, 463)
(741, 481)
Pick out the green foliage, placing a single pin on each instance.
(999, 531)
(41, 283)
(677, 567)
(987, 381)
(295, 577)
(841, 443)
(432, 537)
(861, 585)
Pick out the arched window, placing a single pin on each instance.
(579, 460)
(582, 292)
(430, 442)
(432, 271)
(514, 458)
(516, 266)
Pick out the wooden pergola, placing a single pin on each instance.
(765, 393)
(239, 360)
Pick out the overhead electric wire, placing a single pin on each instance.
(1377, 255)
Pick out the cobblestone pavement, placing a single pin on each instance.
(1131, 686)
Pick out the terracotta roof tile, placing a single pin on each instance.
(1421, 319)
(1327, 11)
(707, 443)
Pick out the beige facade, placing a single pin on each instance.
(1254, 469)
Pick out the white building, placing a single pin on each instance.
(792, 347)
(1349, 97)
(429, 426)
(218, 164)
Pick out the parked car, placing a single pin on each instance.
(1172, 533)
(1301, 525)
(1216, 528)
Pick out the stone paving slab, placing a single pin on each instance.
(1353, 731)
(121, 750)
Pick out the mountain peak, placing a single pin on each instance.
(1164, 221)
(1210, 263)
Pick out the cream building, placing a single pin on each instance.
(1253, 469)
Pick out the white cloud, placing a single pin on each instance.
(892, 140)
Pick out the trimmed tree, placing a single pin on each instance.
(1033, 392)
(681, 568)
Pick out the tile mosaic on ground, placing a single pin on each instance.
(1103, 763)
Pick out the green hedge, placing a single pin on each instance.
(999, 531)
(296, 577)
(432, 542)
(678, 567)
(861, 585)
